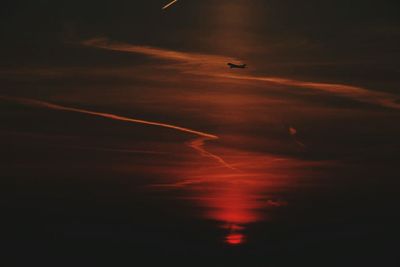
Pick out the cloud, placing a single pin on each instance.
(159, 53)
(214, 66)
(197, 144)
(354, 92)
(37, 103)
(276, 203)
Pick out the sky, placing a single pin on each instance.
(130, 140)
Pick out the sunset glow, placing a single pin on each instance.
(201, 133)
(234, 239)
(210, 65)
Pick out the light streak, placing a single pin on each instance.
(44, 104)
(170, 4)
(197, 144)
(210, 65)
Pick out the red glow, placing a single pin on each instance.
(238, 198)
(234, 239)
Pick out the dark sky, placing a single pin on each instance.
(355, 32)
(131, 142)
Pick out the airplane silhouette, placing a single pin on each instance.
(233, 66)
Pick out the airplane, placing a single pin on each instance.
(233, 66)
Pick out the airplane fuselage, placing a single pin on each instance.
(236, 66)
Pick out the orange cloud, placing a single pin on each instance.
(183, 57)
(214, 66)
(44, 104)
(357, 93)
(197, 144)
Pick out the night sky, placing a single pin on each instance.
(126, 140)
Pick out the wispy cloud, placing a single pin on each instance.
(37, 103)
(214, 66)
(183, 57)
(354, 92)
(197, 144)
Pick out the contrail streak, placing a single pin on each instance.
(170, 4)
(38, 103)
(197, 144)
(209, 65)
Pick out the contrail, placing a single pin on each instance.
(38, 103)
(209, 65)
(170, 4)
(197, 144)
